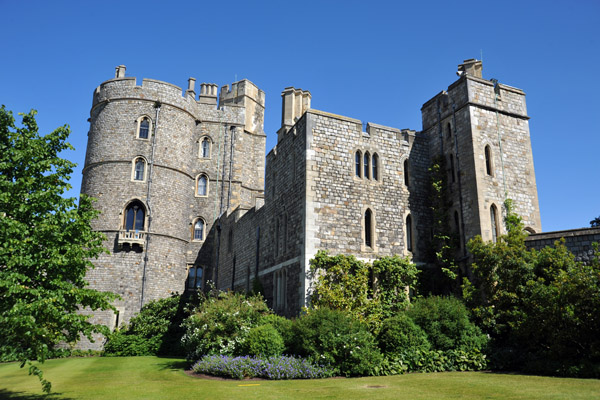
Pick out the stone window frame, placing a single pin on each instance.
(452, 168)
(448, 130)
(138, 127)
(280, 289)
(405, 168)
(367, 165)
(198, 282)
(123, 215)
(365, 162)
(197, 180)
(208, 139)
(358, 166)
(372, 230)
(375, 167)
(457, 227)
(193, 230)
(494, 223)
(410, 234)
(134, 164)
(488, 157)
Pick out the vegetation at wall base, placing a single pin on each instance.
(370, 292)
(46, 244)
(540, 307)
(155, 330)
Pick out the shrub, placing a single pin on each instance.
(446, 322)
(220, 324)
(334, 338)
(124, 345)
(282, 325)
(281, 367)
(416, 360)
(154, 330)
(400, 333)
(263, 340)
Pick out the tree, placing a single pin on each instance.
(540, 307)
(595, 223)
(46, 243)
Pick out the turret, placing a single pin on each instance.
(245, 94)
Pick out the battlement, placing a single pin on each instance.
(239, 91)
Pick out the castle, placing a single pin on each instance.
(186, 197)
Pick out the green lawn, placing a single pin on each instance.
(164, 378)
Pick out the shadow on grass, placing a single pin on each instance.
(175, 365)
(9, 394)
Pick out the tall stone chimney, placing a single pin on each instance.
(120, 71)
(295, 102)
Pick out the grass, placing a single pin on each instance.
(164, 378)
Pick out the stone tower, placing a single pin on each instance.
(163, 165)
(481, 128)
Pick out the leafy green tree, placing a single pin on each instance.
(595, 223)
(370, 292)
(46, 243)
(540, 307)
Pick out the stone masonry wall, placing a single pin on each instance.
(578, 241)
(175, 163)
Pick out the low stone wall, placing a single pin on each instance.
(578, 241)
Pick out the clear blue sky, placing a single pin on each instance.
(377, 61)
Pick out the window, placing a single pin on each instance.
(139, 169)
(494, 220)
(452, 174)
(199, 226)
(375, 161)
(366, 164)
(202, 185)
(279, 289)
(449, 130)
(368, 228)
(357, 159)
(409, 233)
(135, 216)
(406, 172)
(488, 160)
(144, 127)
(194, 278)
(205, 148)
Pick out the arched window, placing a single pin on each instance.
(202, 185)
(375, 161)
(135, 216)
(406, 173)
(139, 169)
(357, 160)
(488, 161)
(494, 221)
(368, 228)
(205, 148)
(199, 226)
(409, 233)
(144, 126)
(366, 164)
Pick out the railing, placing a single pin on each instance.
(131, 238)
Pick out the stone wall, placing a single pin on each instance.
(578, 241)
(179, 122)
